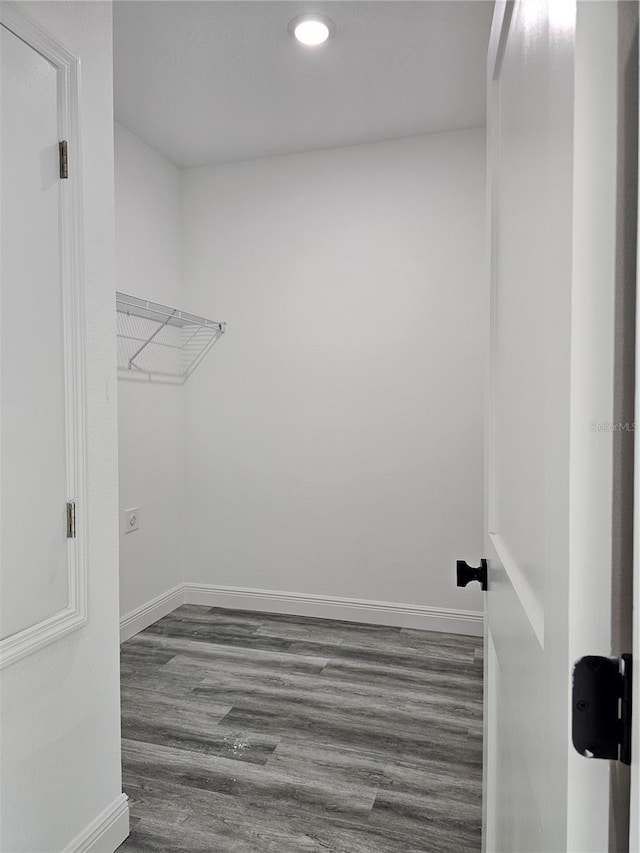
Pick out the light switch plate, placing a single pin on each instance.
(132, 519)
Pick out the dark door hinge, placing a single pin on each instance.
(601, 707)
(64, 159)
(71, 520)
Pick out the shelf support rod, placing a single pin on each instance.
(148, 341)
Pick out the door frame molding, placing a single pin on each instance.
(634, 818)
(74, 615)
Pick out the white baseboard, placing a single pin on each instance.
(303, 604)
(107, 832)
(330, 607)
(140, 618)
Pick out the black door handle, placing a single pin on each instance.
(465, 573)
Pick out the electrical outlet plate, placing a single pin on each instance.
(132, 519)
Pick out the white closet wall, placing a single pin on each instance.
(334, 438)
(150, 416)
(60, 712)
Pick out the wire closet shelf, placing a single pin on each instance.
(161, 344)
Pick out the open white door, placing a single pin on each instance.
(553, 430)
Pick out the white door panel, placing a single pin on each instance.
(528, 536)
(34, 465)
(519, 766)
(552, 126)
(42, 465)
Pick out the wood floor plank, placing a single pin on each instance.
(246, 732)
(322, 688)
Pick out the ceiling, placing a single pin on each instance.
(212, 82)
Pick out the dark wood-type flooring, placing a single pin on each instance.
(248, 732)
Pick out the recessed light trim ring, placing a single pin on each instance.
(305, 35)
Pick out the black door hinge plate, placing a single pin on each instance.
(601, 707)
(64, 159)
(71, 519)
(466, 573)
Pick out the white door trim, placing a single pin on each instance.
(634, 817)
(74, 615)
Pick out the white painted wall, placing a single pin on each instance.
(60, 727)
(334, 436)
(150, 416)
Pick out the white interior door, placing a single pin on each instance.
(553, 160)
(33, 439)
(42, 568)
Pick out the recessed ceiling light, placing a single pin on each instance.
(311, 30)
